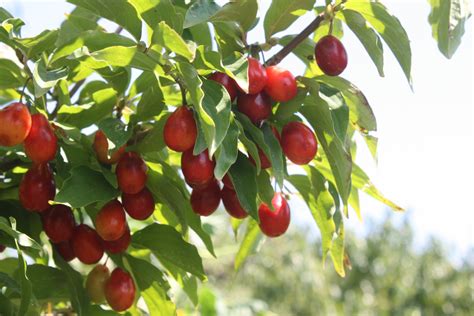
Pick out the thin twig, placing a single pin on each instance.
(76, 87)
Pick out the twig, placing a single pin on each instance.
(76, 87)
(118, 30)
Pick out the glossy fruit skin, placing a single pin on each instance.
(58, 223)
(119, 245)
(101, 148)
(298, 143)
(331, 55)
(110, 222)
(228, 182)
(41, 144)
(95, 283)
(197, 170)
(65, 250)
(281, 84)
(232, 204)
(205, 201)
(131, 173)
(274, 223)
(257, 76)
(86, 244)
(139, 206)
(229, 84)
(180, 130)
(120, 290)
(37, 188)
(264, 161)
(15, 124)
(257, 107)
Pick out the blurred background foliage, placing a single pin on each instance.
(390, 275)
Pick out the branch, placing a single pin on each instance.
(286, 50)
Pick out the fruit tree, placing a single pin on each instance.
(115, 143)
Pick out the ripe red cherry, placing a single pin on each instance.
(131, 173)
(180, 130)
(65, 250)
(58, 223)
(331, 55)
(274, 223)
(95, 283)
(86, 244)
(197, 170)
(299, 143)
(37, 188)
(206, 200)
(120, 290)
(119, 245)
(15, 124)
(2, 248)
(281, 85)
(110, 222)
(229, 84)
(228, 182)
(101, 148)
(257, 107)
(139, 206)
(257, 76)
(41, 143)
(232, 204)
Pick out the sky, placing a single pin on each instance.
(426, 136)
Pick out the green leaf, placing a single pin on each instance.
(389, 27)
(168, 245)
(249, 244)
(23, 239)
(84, 187)
(265, 188)
(286, 109)
(339, 110)
(45, 79)
(78, 21)
(199, 12)
(447, 19)
(243, 176)
(283, 13)
(227, 153)
(118, 11)
(228, 36)
(165, 36)
(26, 287)
(48, 283)
(244, 12)
(154, 11)
(151, 103)
(11, 75)
(366, 35)
(116, 131)
(34, 46)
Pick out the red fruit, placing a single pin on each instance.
(281, 85)
(2, 248)
(95, 283)
(180, 130)
(86, 244)
(119, 245)
(120, 290)
(276, 134)
(228, 182)
(139, 206)
(131, 173)
(264, 161)
(65, 250)
(101, 148)
(257, 76)
(37, 188)
(41, 144)
(331, 55)
(110, 222)
(257, 107)
(197, 170)
(232, 204)
(274, 223)
(206, 200)
(58, 223)
(229, 84)
(15, 124)
(299, 143)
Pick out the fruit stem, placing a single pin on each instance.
(286, 50)
(23, 89)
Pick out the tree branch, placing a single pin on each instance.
(286, 50)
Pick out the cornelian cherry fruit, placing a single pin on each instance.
(197, 170)
(41, 144)
(65, 250)
(257, 107)
(229, 84)
(232, 204)
(257, 76)
(131, 173)
(206, 200)
(37, 188)
(281, 84)
(120, 290)
(95, 283)
(58, 223)
(15, 124)
(299, 143)
(180, 130)
(119, 245)
(86, 244)
(101, 148)
(274, 223)
(331, 55)
(110, 222)
(140, 205)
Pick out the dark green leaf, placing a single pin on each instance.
(199, 12)
(243, 12)
(226, 155)
(243, 176)
(116, 131)
(165, 36)
(11, 76)
(248, 245)
(45, 79)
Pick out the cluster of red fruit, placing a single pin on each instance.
(297, 141)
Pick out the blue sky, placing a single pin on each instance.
(426, 137)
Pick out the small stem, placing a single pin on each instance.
(286, 50)
(23, 89)
(76, 87)
(118, 30)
